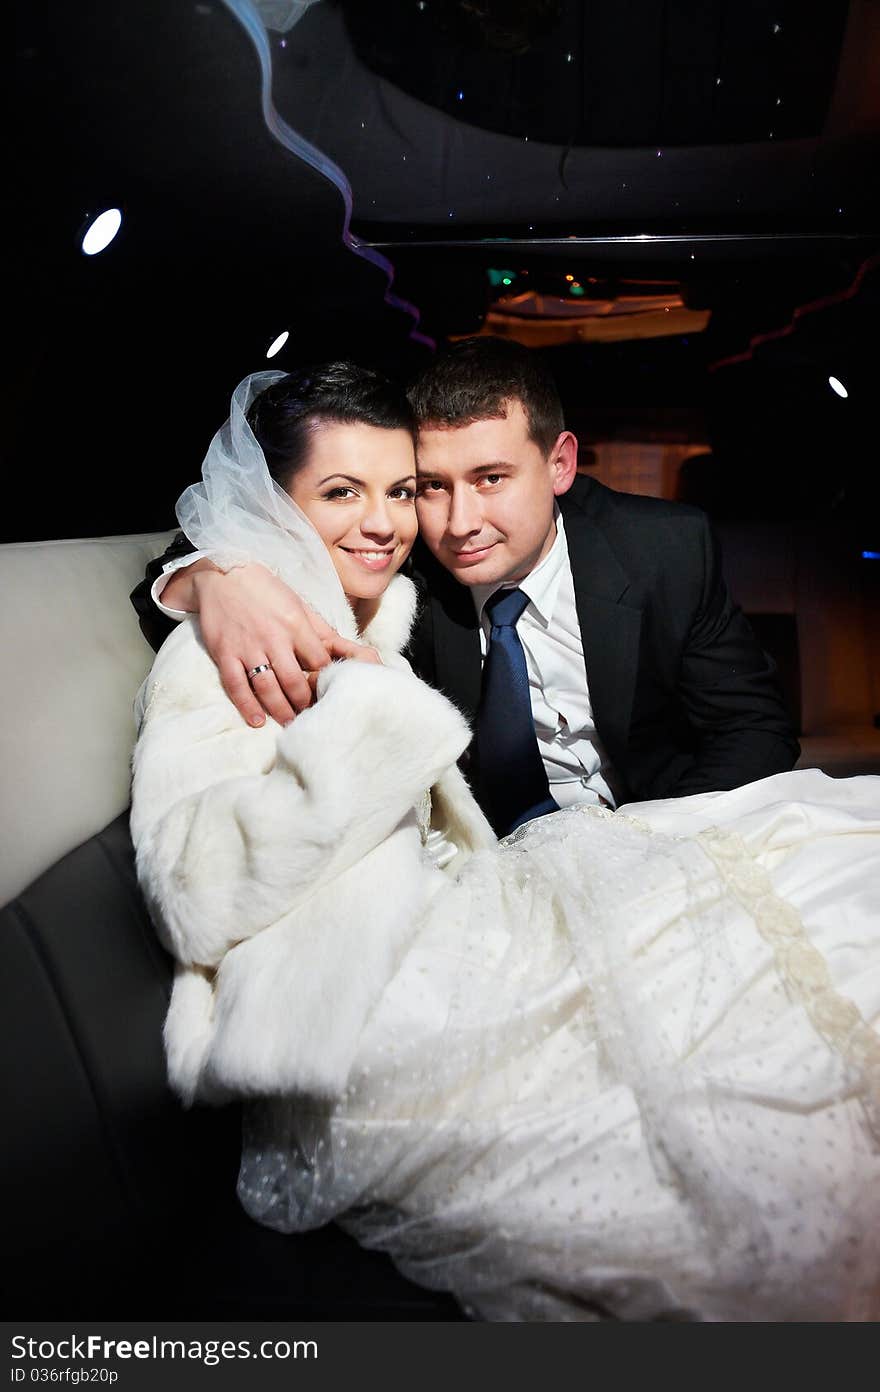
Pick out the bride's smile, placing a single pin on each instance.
(357, 488)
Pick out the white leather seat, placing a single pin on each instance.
(73, 660)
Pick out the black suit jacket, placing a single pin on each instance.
(684, 699)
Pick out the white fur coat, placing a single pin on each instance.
(284, 867)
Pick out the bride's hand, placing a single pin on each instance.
(249, 618)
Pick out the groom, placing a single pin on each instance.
(588, 634)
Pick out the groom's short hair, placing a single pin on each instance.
(477, 379)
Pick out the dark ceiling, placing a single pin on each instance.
(619, 76)
(727, 148)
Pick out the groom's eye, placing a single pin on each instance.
(430, 486)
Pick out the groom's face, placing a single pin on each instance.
(485, 495)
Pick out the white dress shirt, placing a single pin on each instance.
(577, 766)
(168, 570)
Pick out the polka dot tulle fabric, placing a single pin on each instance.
(628, 1067)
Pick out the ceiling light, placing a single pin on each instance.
(278, 344)
(102, 231)
(837, 386)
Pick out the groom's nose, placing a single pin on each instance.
(465, 512)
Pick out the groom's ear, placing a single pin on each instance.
(563, 462)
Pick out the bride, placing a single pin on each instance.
(619, 1064)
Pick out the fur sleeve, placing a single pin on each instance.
(233, 826)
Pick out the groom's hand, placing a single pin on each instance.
(250, 618)
(358, 652)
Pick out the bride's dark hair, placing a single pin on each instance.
(284, 416)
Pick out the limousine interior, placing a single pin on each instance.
(676, 206)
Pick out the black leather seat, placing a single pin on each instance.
(118, 1202)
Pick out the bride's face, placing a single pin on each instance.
(357, 488)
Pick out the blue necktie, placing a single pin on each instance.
(512, 784)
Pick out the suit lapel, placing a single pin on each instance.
(455, 637)
(457, 649)
(610, 620)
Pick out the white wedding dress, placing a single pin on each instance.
(628, 1066)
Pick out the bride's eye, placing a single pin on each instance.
(403, 493)
(341, 491)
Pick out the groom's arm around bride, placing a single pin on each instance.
(646, 680)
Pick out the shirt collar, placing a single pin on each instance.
(541, 585)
